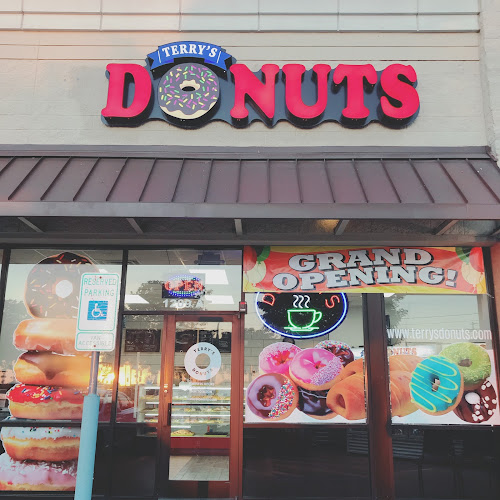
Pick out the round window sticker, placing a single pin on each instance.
(196, 371)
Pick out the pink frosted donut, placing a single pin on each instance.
(276, 358)
(36, 476)
(272, 396)
(340, 349)
(315, 369)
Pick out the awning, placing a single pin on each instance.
(319, 184)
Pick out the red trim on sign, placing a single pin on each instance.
(400, 90)
(246, 83)
(119, 77)
(293, 90)
(355, 76)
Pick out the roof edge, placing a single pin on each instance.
(213, 152)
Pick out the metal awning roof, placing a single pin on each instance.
(246, 184)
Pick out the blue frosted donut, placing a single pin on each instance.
(436, 385)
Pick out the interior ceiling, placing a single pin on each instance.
(159, 231)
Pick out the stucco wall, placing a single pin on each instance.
(53, 56)
(54, 86)
(490, 69)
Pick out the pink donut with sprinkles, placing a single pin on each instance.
(272, 396)
(315, 369)
(276, 358)
(340, 349)
(188, 91)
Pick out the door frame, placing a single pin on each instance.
(170, 318)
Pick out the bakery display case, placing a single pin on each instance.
(201, 411)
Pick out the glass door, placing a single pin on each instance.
(198, 459)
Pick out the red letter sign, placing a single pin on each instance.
(246, 83)
(355, 75)
(293, 90)
(399, 90)
(116, 90)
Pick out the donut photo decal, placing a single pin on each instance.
(301, 316)
(307, 385)
(455, 386)
(51, 377)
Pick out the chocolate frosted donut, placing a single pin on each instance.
(188, 91)
(339, 349)
(478, 405)
(313, 403)
(53, 285)
(272, 396)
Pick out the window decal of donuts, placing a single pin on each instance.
(188, 84)
(455, 386)
(301, 316)
(307, 385)
(52, 378)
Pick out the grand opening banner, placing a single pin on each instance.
(428, 270)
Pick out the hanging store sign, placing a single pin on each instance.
(189, 84)
(186, 286)
(363, 270)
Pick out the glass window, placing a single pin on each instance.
(442, 375)
(140, 366)
(330, 369)
(39, 326)
(43, 377)
(183, 280)
(304, 365)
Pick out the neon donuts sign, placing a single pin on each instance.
(301, 316)
(189, 84)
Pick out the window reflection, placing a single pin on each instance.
(160, 280)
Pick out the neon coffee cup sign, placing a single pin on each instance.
(301, 316)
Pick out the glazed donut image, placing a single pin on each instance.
(53, 285)
(36, 476)
(404, 362)
(472, 360)
(45, 403)
(188, 91)
(351, 369)
(47, 444)
(313, 403)
(478, 405)
(401, 403)
(47, 334)
(347, 397)
(46, 368)
(339, 349)
(272, 396)
(276, 358)
(315, 369)
(436, 385)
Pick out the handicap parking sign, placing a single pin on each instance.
(98, 310)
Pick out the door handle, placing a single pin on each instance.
(169, 414)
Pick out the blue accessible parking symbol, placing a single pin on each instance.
(98, 310)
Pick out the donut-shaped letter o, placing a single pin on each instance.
(118, 74)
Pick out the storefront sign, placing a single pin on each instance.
(188, 84)
(363, 270)
(301, 316)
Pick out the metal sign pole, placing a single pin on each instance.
(88, 437)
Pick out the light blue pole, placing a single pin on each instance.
(88, 437)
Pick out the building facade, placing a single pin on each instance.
(291, 262)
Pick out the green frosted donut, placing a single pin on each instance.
(472, 360)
